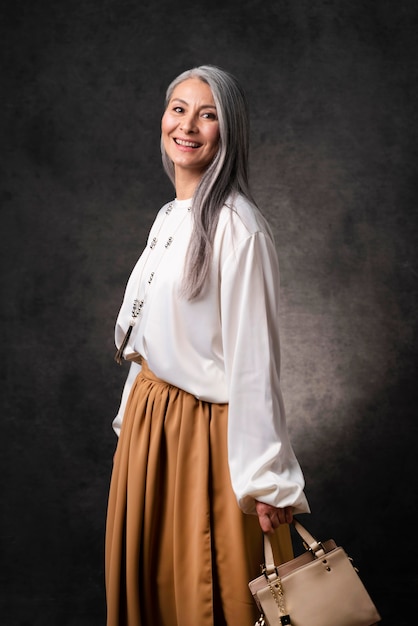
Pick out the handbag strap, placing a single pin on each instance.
(309, 541)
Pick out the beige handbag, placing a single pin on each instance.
(318, 588)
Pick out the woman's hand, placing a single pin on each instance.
(270, 517)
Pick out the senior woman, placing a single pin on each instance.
(204, 463)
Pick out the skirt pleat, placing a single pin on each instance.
(179, 551)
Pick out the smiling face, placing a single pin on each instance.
(190, 128)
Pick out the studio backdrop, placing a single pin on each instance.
(332, 94)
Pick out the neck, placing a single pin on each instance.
(186, 183)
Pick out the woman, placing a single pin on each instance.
(203, 462)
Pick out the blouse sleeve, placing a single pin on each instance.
(135, 368)
(262, 462)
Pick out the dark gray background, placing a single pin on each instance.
(332, 90)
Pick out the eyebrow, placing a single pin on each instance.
(204, 106)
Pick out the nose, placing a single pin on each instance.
(188, 124)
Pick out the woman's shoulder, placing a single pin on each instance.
(241, 213)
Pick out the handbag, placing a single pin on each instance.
(321, 587)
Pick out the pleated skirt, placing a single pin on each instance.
(179, 551)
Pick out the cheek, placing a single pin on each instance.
(214, 139)
(163, 125)
(165, 129)
(166, 124)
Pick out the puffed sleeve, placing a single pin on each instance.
(262, 462)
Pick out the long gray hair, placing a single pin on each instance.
(228, 172)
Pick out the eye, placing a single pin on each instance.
(178, 109)
(209, 115)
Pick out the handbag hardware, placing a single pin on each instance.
(278, 595)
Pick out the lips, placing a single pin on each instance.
(186, 144)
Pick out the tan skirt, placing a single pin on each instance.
(179, 551)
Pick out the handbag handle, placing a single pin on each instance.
(310, 543)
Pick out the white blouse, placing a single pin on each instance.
(222, 346)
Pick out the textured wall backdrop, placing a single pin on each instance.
(332, 90)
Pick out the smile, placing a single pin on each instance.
(187, 144)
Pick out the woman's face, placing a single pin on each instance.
(190, 127)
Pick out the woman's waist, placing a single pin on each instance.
(203, 378)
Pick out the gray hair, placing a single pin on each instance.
(227, 174)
